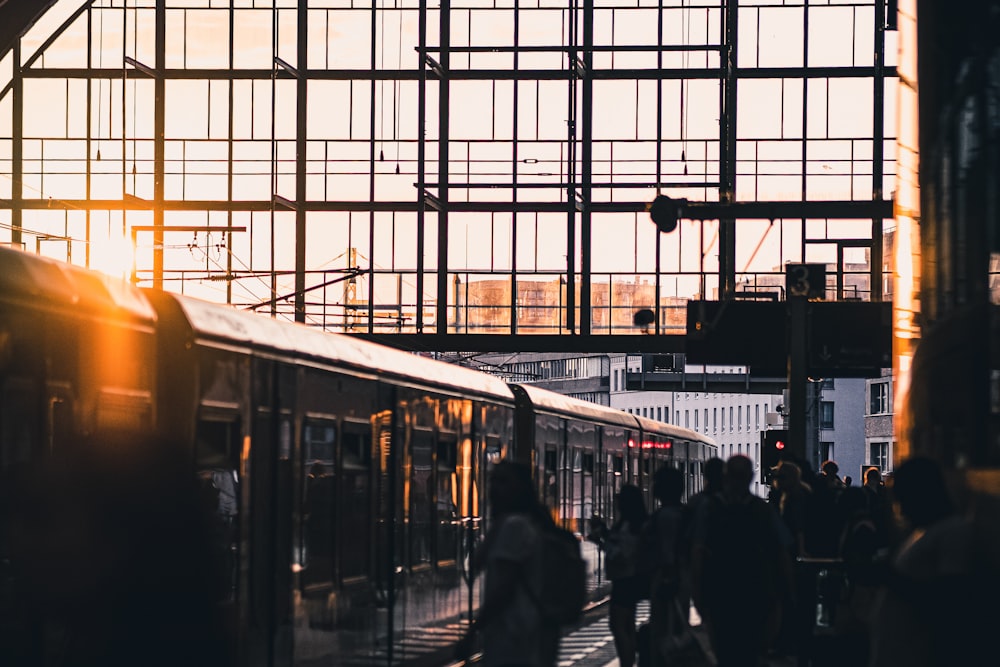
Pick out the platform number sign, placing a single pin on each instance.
(805, 281)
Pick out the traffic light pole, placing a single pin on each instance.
(797, 377)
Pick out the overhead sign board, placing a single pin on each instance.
(844, 338)
(806, 281)
(849, 338)
(738, 333)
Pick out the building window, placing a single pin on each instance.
(756, 417)
(731, 425)
(879, 455)
(739, 417)
(878, 403)
(827, 384)
(826, 414)
(696, 420)
(687, 420)
(715, 423)
(826, 451)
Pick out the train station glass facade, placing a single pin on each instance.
(467, 166)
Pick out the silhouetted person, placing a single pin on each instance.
(824, 523)
(858, 547)
(793, 503)
(669, 537)
(938, 605)
(713, 472)
(114, 561)
(879, 507)
(741, 569)
(509, 617)
(829, 475)
(627, 569)
(848, 480)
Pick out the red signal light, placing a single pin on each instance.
(779, 445)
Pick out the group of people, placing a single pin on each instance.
(724, 550)
(748, 565)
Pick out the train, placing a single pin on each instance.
(347, 479)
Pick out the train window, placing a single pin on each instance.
(619, 465)
(551, 460)
(217, 463)
(421, 495)
(357, 446)
(494, 449)
(447, 451)
(447, 500)
(588, 463)
(318, 502)
(355, 469)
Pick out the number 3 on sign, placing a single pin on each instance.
(807, 281)
(798, 284)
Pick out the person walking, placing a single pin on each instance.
(514, 633)
(628, 567)
(668, 538)
(740, 569)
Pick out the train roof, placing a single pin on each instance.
(671, 431)
(550, 401)
(45, 282)
(224, 324)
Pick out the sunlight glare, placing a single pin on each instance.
(113, 256)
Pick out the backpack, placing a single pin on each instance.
(564, 577)
(622, 548)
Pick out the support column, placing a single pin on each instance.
(797, 376)
(444, 115)
(301, 91)
(878, 149)
(159, 145)
(727, 153)
(421, 156)
(17, 148)
(586, 167)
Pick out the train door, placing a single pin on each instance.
(385, 551)
(271, 548)
(549, 439)
(217, 456)
(318, 533)
(569, 465)
(355, 511)
(581, 438)
(632, 457)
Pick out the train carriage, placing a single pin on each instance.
(344, 481)
(355, 504)
(72, 351)
(582, 453)
(682, 448)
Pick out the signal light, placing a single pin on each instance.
(772, 451)
(665, 212)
